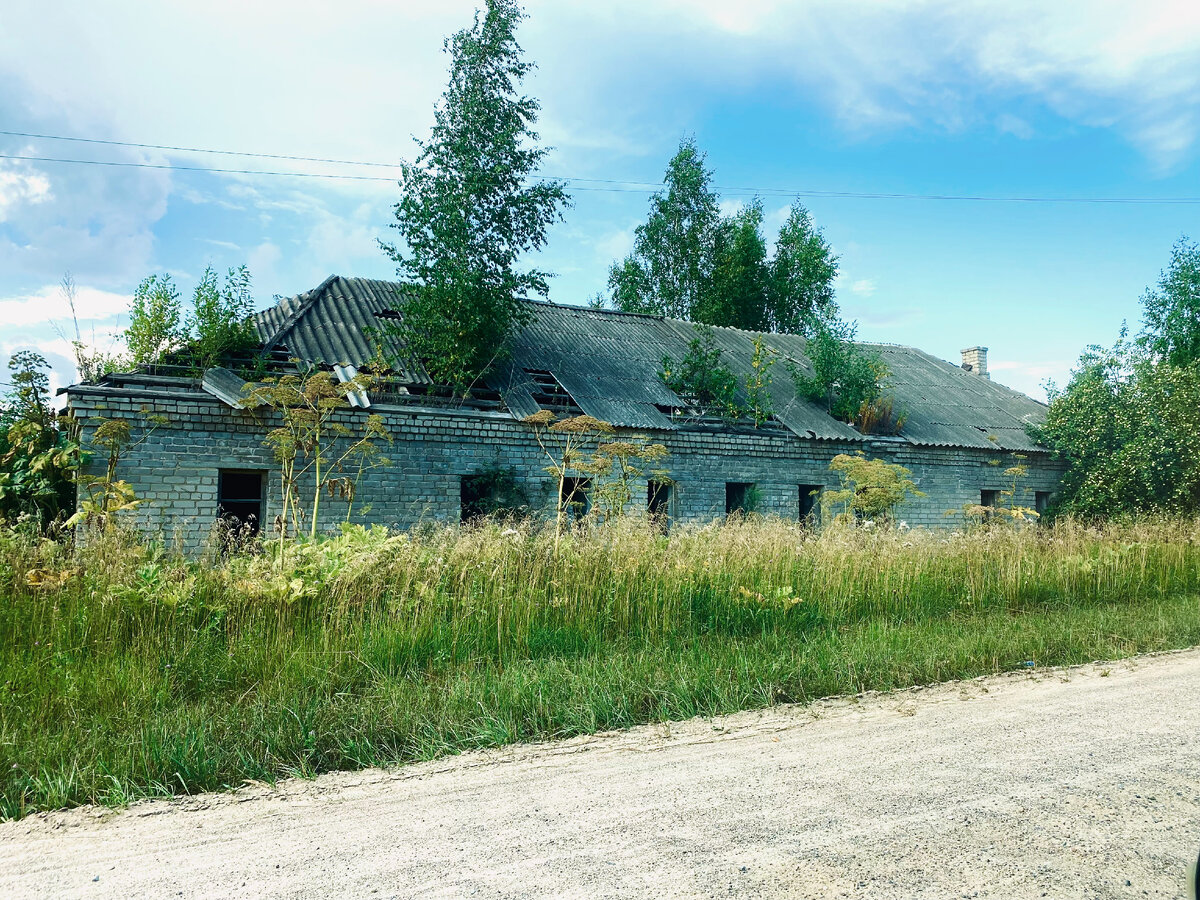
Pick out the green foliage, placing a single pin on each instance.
(801, 277)
(569, 445)
(701, 378)
(688, 262)
(670, 270)
(102, 497)
(219, 320)
(1012, 508)
(871, 489)
(737, 295)
(758, 383)
(38, 457)
(1127, 421)
(154, 320)
(468, 213)
(1126, 426)
(617, 465)
(845, 377)
(126, 672)
(1172, 311)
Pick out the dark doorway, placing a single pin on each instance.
(658, 503)
(810, 502)
(989, 498)
(240, 499)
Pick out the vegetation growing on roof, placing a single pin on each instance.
(702, 378)
(468, 212)
(216, 327)
(847, 380)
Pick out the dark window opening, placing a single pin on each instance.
(810, 501)
(240, 499)
(740, 497)
(1041, 500)
(575, 500)
(989, 499)
(658, 503)
(475, 497)
(494, 490)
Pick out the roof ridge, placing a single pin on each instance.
(306, 301)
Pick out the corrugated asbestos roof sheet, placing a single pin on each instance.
(609, 362)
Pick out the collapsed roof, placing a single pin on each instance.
(608, 363)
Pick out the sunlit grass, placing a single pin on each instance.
(126, 671)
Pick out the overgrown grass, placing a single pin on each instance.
(127, 672)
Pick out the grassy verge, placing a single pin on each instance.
(125, 672)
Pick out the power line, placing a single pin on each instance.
(577, 183)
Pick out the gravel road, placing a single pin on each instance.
(1068, 783)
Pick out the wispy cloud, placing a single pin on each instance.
(864, 287)
(49, 304)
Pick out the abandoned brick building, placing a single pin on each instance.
(206, 454)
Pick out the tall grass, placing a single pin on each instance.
(127, 671)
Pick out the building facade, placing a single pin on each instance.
(198, 451)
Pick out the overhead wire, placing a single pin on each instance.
(576, 183)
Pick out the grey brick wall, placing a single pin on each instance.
(174, 466)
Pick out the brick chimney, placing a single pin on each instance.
(974, 360)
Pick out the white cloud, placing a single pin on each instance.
(262, 261)
(21, 187)
(616, 245)
(730, 206)
(50, 305)
(605, 69)
(1030, 376)
(864, 287)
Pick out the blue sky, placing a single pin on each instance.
(1072, 99)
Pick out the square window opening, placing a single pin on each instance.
(1041, 500)
(240, 496)
(576, 501)
(990, 499)
(740, 497)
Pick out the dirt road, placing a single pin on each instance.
(1068, 783)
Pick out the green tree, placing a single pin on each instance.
(1126, 426)
(736, 295)
(1172, 311)
(154, 320)
(219, 320)
(38, 459)
(670, 270)
(800, 282)
(1126, 423)
(468, 211)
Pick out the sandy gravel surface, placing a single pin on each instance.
(1056, 783)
